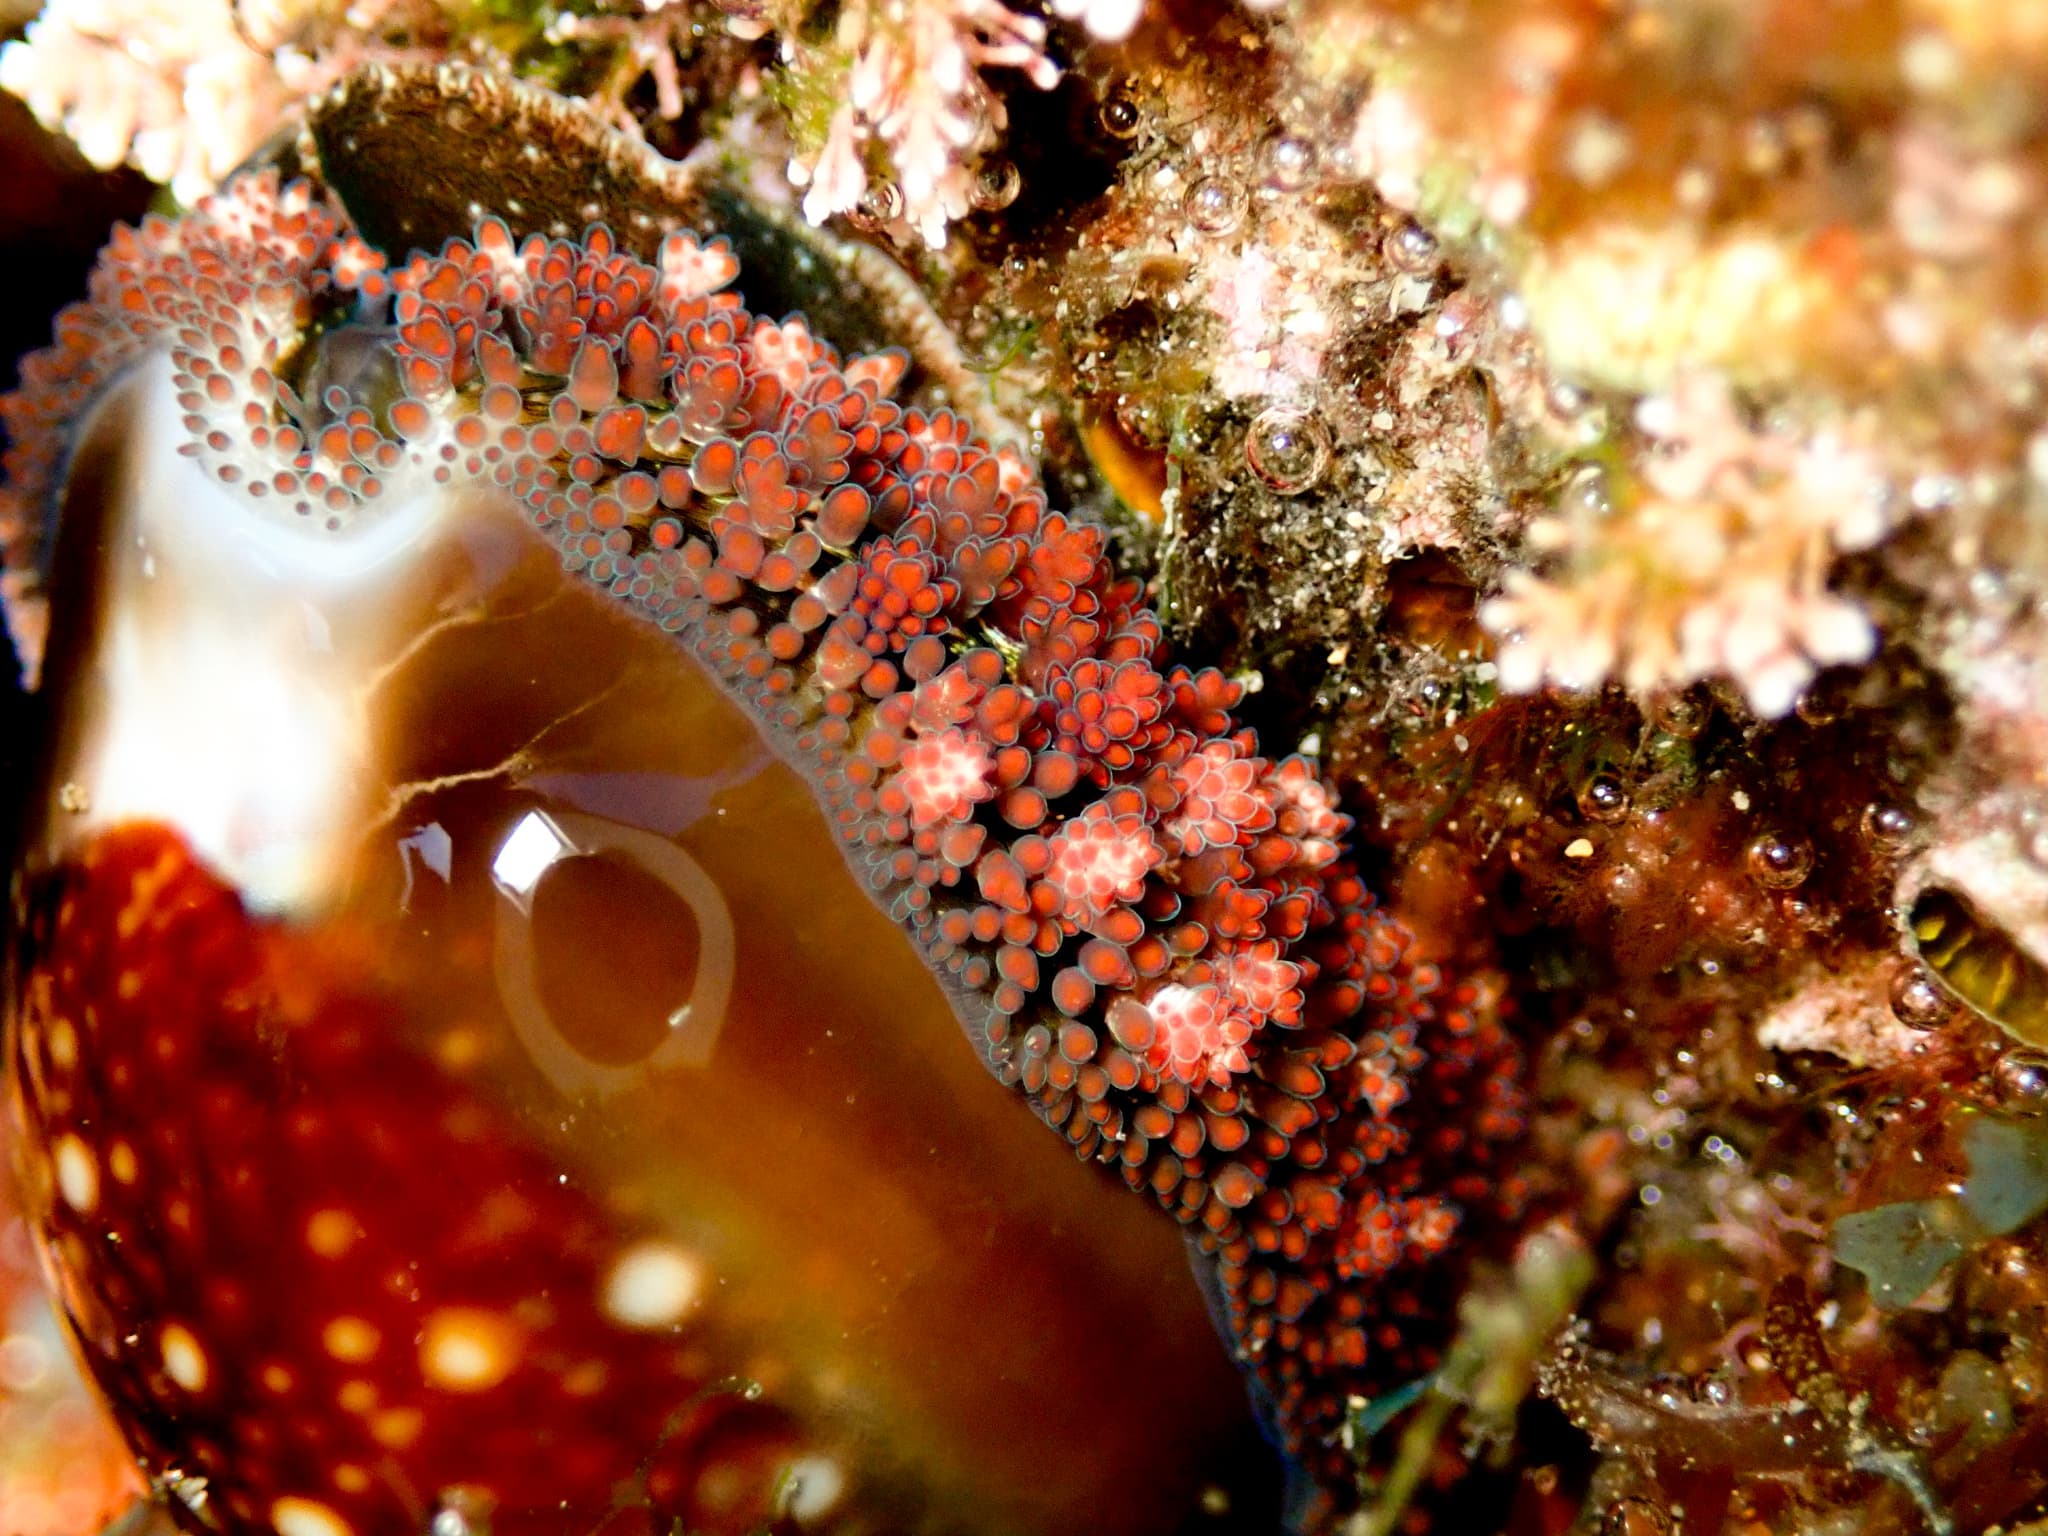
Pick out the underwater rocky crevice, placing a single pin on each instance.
(1683, 689)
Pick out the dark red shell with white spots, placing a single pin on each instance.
(1147, 927)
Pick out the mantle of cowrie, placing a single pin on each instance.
(1145, 927)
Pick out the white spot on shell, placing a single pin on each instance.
(331, 1232)
(350, 1478)
(812, 1487)
(185, 1361)
(294, 1516)
(464, 1349)
(397, 1428)
(78, 1174)
(652, 1285)
(350, 1339)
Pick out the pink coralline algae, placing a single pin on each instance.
(1148, 929)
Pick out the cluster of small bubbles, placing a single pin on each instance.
(1779, 862)
(1287, 162)
(1603, 798)
(1718, 1150)
(1215, 204)
(996, 185)
(1287, 448)
(1918, 1000)
(2021, 1077)
(1119, 114)
(1412, 249)
(1888, 825)
(1718, 1391)
(880, 206)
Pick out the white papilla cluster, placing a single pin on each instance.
(916, 88)
(182, 90)
(1719, 567)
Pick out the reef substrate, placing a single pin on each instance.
(1615, 438)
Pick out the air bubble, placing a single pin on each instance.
(1287, 448)
(1683, 715)
(1780, 862)
(1918, 1000)
(2032, 826)
(880, 206)
(1888, 825)
(2021, 1077)
(996, 185)
(1287, 162)
(1825, 701)
(1413, 249)
(1586, 495)
(1119, 114)
(1604, 798)
(1215, 204)
(1567, 398)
